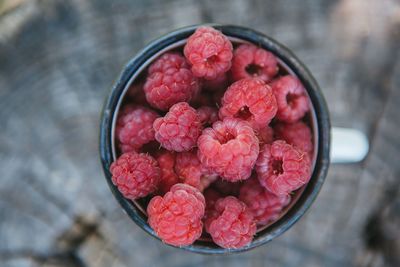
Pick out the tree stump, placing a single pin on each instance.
(58, 60)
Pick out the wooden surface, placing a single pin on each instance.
(58, 60)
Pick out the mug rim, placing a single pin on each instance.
(294, 64)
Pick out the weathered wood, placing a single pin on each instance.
(57, 66)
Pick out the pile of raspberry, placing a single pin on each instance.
(216, 138)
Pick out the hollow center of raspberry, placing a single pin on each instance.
(243, 113)
(277, 167)
(226, 137)
(291, 99)
(253, 69)
(211, 60)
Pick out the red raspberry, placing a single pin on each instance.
(179, 129)
(220, 83)
(230, 224)
(135, 175)
(169, 86)
(167, 61)
(166, 161)
(297, 134)
(209, 52)
(265, 135)
(252, 61)
(251, 100)
(176, 217)
(135, 127)
(230, 149)
(192, 172)
(208, 115)
(265, 206)
(282, 168)
(291, 98)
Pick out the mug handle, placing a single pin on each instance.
(348, 145)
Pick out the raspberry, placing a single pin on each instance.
(291, 98)
(230, 224)
(282, 168)
(208, 115)
(265, 206)
(135, 175)
(251, 100)
(297, 134)
(168, 60)
(221, 82)
(179, 129)
(252, 61)
(209, 52)
(230, 149)
(176, 217)
(192, 172)
(135, 127)
(265, 135)
(166, 161)
(169, 86)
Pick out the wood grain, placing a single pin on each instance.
(56, 69)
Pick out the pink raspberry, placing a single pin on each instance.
(135, 127)
(251, 100)
(209, 52)
(135, 175)
(219, 83)
(291, 98)
(168, 60)
(179, 129)
(282, 168)
(192, 172)
(208, 115)
(297, 134)
(265, 206)
(230, 149)
(176, 217)
(166, 161)
(265, 135)
(169, 83)
(230, 224)
(252, 61)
